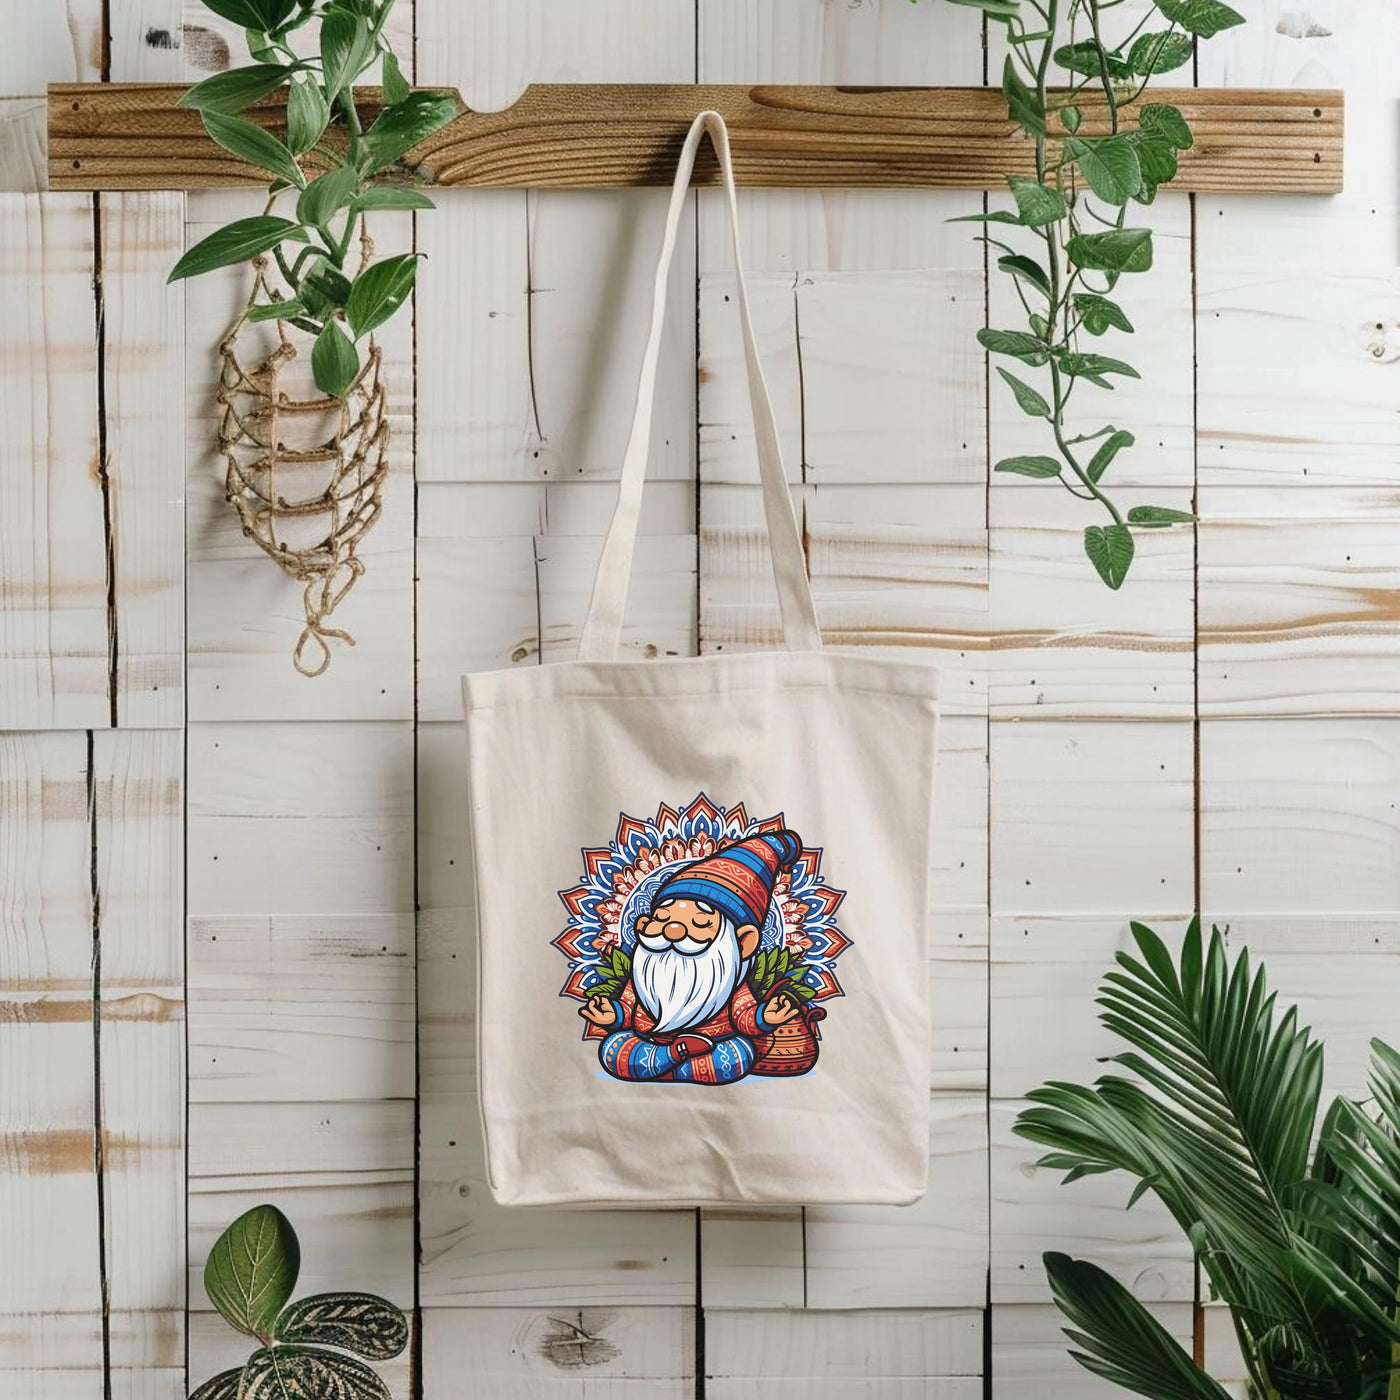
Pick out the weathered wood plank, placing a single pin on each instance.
(138, 801)
(143, 368)
(54, 660)
(575, 135)
(51, 1336)
(503, 1353)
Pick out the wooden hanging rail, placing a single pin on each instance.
(132, 136)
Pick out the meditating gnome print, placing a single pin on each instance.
(700, 942)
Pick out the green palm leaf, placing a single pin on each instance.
(1116, 1337)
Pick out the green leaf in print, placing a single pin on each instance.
(1159, 52)
(1025, 106)
(1110, 550)
(252, 14)
(1109, 164)
(1024, 347)
(235, 88)
(1164, 120)
(379, 291)
(1156, 516)
(346, 47)
(307, 116)
(334, 361)
(396, 88)
(1040, 467)
(390, 197)
(1203, 18)
(241, 240)
(397, 130)
(252, 1269)
(1099, 314)
(306, 1373)
(1037, 204)
(1117, 250)
(250, 142)
(1027, 270)
(1084, 57)
(326, 195)
(1108, 450)
(1030, 400)
(1095, 367)
(369, 1326)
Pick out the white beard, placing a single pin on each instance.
(685, 989)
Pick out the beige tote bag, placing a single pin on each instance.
(702, 889)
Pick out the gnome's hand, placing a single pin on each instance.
(599, 1010)
(780, 1010)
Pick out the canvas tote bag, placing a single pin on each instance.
(702, 890)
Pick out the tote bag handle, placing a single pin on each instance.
(603, 625)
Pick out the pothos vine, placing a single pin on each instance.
(1075, 208)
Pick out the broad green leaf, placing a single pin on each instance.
(1151, 516)
(224, 1386)
(251, 143)
(241, 240)
(307, 115)
(360, 1322)
(1108, 450)
(1031, 401)
(1159, 52)
(398, 130)
(275, 311)
(1029, 466)
(1099, 314)
(346, 48)
(396, 88)
(1081, 365)
(1027, 348)
(997, 216)
(1024, 106)
(379, 291)
(1200, 17)
(1028, 270)
(329, 283)
(1037, 204)
(1164, 120)
(252, 1269)
(293, 1372)
(334, 361)
(1110, 551)
(1116, 1338)
(1117, 250)
(1085, 57)
(1070, 117)
(236, 88)
(261, 15)
(390, 197)
(1157, 160)
(1109, 164)
(326, 195)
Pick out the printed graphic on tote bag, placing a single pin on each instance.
(700, 943)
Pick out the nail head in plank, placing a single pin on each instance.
(133, 136)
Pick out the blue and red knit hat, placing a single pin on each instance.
(737, 880)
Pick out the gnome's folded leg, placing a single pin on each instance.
(628, 1056)
(731, 1059)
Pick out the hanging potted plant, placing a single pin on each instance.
(302, 399)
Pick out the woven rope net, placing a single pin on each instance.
(305, 474)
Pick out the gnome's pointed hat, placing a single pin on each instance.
(737, 880)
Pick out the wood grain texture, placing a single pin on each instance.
(603, 135)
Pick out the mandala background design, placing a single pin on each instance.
(618, 880)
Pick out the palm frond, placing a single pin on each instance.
(1115, 1337)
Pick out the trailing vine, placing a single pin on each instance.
(1097, 153)
(339, 160)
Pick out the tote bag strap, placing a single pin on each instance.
(603, 625)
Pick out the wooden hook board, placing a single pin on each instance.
(125, 136)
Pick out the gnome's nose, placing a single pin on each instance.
(675, 932)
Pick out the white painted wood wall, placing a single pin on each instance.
(235, 940)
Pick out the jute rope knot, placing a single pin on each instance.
(306, 475)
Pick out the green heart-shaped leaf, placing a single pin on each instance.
(252, 1269)
(334, 361)
(1110, 549)
(303, 1373)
